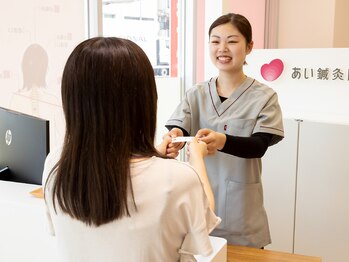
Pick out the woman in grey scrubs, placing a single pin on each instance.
(238, 118)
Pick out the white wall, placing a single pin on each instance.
(56, 26)
(168, 98)
(213, 10)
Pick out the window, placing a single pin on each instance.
(152, 24)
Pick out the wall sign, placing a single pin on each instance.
(312, 84)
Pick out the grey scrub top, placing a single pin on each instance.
(236, 182)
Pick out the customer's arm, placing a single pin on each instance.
(197, 150)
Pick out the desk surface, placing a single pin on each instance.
(245, 254)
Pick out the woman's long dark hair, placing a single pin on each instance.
(110, 103)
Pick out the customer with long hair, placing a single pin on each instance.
(110, 194)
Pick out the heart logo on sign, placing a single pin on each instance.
(273, 70)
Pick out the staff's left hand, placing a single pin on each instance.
(214, 140)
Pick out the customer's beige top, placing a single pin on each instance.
(172, 223)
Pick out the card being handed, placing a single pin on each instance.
(180, 139)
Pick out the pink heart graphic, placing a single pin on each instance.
(273, 70)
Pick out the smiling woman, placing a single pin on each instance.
(238, 118)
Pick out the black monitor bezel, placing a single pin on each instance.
(30, 151)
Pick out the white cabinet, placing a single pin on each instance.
(306, 189)
(23, 232)
(322, 207)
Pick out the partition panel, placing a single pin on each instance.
(279, 182)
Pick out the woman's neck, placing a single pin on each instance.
(138, 158)
(226, 83)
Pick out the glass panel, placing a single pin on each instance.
(147, 23)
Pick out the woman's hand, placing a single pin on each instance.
(214, 140)
(196, 149)
(172, 149)
(162, 147)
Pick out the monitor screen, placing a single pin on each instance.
(24, 145)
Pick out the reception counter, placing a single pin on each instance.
(244, 254)
(24, 236)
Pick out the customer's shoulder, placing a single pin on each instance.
(180, 169)
(53, 156)
(180, 177)
(51, 160)
(174, 164)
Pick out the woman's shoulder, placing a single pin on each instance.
(51, 160)
(179, 180)
(202, 87)
(174, 164)
(259, 85)
(177, 170)
(53, 156)
(262, 87)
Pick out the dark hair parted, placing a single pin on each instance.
(239, 21)
(109, 101)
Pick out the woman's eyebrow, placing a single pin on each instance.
(229, 36)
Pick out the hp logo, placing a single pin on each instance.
(8, 137)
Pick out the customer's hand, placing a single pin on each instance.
(196, 149)
(172, 149)
(162, 147)
(214, 140)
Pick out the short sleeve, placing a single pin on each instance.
(197, 241)
(202, 220)
(270, 120)
(181, 117)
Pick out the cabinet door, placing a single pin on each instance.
(279, 180)
(322, 205)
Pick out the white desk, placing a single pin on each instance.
(23, 232)
(219, 253)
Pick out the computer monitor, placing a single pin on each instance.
(24, 145)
